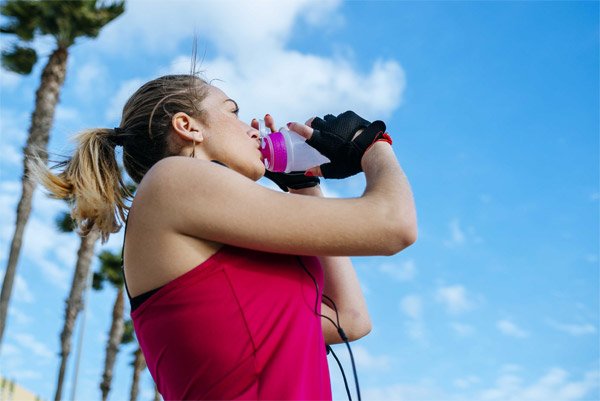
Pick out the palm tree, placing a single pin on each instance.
(110, 270)
(157, 396)
(139, 362)
(65, 22)
(74, 302)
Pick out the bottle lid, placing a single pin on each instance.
(274, 152)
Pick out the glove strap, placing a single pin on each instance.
(385, 137)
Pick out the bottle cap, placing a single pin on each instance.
(274, 152)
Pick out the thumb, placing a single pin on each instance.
(303, 130)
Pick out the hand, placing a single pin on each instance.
(294, 179)
(343, 139)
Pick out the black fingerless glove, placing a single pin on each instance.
(332, 137)
(293, 180)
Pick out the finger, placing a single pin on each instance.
(317, 122)
(329, 117)
(270, 122)
(303, 130)
(254, 123)
(309, 121)
(314, 172)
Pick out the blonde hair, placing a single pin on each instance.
(91, 180)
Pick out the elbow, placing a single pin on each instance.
(401, 236)
(359, 329)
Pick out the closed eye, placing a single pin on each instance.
(236, 110)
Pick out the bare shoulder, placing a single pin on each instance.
(172, 178)
(156, 253)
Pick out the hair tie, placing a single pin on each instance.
(118, 137)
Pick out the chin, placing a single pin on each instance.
(259, 172)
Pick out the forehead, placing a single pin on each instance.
(215, 96)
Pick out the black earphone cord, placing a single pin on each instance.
(340, 332)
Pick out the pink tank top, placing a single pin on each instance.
(240, 326)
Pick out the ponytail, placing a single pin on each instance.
(90, 181)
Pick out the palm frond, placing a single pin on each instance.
(128, 332)
(22, 18)
(19, 59)
(110, 268)
(64, 223)
(65, 20)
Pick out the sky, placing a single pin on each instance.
(494, 112)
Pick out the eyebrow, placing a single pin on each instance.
(232, 101)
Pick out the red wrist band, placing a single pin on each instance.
(385, 138)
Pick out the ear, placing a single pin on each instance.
(187, 128)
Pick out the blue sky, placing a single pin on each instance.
(493, 107)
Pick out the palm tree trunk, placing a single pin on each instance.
(157, 396)
(139, 364)
(114, 340)
(46, 99)
(74, 303)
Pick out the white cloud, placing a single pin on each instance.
(466, 382)
(485, 198)
(553, 385)
(251, 28)
(591, 258)
(19, 317)
(9, 194)
(11, 156)
(404, 271)
(43, 248)
(574, 329)
(27, 374)
(54, 274)
(115, 108)
(27, 341)
(367, 361)
(509, 328)
(9, 350)
(296, 86)
(425, 390)
(454, 298)
(289, 85)
(412, 306)
(66, 114)
(463, 330)
(87, 79)
(9, 79)
(457, 235)
(22, 291)
(13, 126)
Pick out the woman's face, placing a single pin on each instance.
(227, 138)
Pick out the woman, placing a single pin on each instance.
(222, 307)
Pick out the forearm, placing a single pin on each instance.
(388, 188)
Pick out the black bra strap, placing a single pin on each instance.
(123, 257)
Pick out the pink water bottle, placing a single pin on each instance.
(285, 151)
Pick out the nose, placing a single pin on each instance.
(254, 134)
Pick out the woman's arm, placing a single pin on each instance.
(204, 200)
(343, 287)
